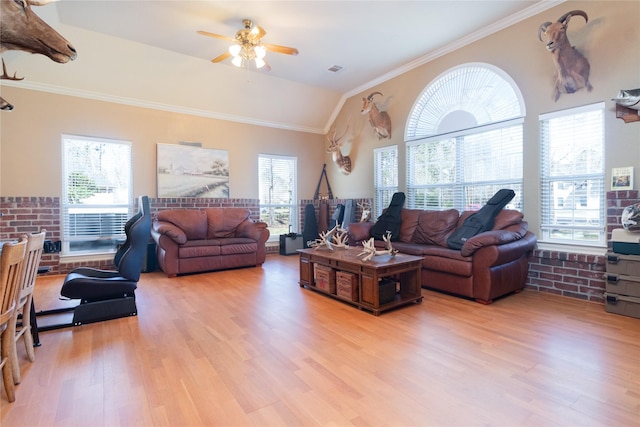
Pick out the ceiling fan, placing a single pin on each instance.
(247, 46)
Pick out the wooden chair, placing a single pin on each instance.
(10, 276)
(24, 298)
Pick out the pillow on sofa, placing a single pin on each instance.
(192, 221)
(435, 226)
(223, 222)
(408, 224)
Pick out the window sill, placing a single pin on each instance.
(72, 259)
(573, 249)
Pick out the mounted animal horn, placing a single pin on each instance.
(571, 67)
(564, 19)
(542, 29)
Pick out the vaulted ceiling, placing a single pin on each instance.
(148, 52)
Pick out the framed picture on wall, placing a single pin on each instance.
(190, 171)
(622, 178)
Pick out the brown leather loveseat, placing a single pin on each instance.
(199, 240)
(489, 265)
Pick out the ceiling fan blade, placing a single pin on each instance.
(221, 57)
(214, 35)
(265, 68)
(281, 49)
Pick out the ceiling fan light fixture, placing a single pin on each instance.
(234, 49)
(237, 61)
(247, 47)
(260, 51)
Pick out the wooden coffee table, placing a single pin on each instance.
(404, 269)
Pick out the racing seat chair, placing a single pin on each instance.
(107, 294)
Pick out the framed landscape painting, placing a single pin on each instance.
(188, 171)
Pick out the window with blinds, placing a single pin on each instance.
(463, 171)
(385, 170)
(572, 174)
(278, 193)
(96, 194)
(464, 140)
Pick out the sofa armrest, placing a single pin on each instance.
(494, 237)
(501, 269)
(498, 254)
(173, 232)
(359, 231)
(253, 230)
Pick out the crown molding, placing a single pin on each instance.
(431, 56)
(59, 90)
(462, 42)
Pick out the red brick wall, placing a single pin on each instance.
(30, 214)
(576, 275)
(569, 274)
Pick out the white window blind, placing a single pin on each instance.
(464, 140)
(97, 196)
(278, 193)
(463, 170)
(573, 176)
(385, 171)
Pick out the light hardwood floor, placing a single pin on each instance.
(249, 347)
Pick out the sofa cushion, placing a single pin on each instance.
(199, 248)
(232, 246)
(191, 221)
(435, 226)
(408, 224)
(223, 222)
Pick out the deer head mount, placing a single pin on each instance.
(22, 29)
(335, 148)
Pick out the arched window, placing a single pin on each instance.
(464, 140)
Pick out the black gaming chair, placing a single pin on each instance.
(106, 294)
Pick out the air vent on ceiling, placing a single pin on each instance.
(335, 68)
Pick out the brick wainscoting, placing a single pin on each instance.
(577, 275)
(569, 274)
(31, 214)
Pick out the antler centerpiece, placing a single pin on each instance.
(336, 237)
(370, 250)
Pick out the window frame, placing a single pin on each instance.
(383, 193)
(443, 113)
(293, 205)
(110, 216)
(593, 179)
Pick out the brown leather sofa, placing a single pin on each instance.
(199, 240)
(489, 265)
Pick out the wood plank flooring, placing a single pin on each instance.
(249, 347)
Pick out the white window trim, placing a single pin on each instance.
(79, 257)
(294, 197)
(597, 248)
